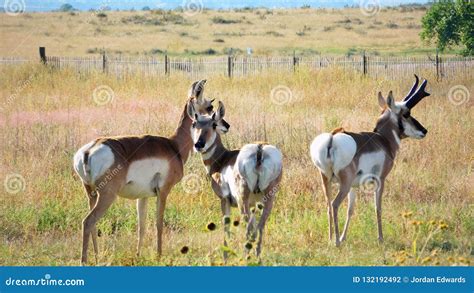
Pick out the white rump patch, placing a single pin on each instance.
(270, 170)
(101, 158)
(341, 153)
(78, 162)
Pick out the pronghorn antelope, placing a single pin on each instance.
(247, 178)
(136, 167)
(353, 159)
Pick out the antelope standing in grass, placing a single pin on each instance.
(136, 167)
(354, 159)
(247, 178)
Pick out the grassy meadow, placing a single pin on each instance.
(391, 31)
(46, 115)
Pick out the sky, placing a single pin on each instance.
(47, 5)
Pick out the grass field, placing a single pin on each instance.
(392, 31)
(428, 215)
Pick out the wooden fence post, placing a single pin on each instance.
(295, 61)
(167, 62)
(104, 62)
(364, 64)
(229, 66)
(437, 65)
(42, 52)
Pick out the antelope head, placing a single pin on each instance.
(206, 128)
(400, 112)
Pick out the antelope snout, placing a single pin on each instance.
(422, 133)
(199, 145)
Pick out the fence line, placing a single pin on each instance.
(374, 66)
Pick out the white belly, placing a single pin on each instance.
(145, 178)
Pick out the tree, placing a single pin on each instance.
(450, 23)
(66, 8)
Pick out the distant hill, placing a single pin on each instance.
(50, 5)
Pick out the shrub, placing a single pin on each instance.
(392, 25)
(155, 51)
(209, 51)
(93, 51)
(157, 17)
(346, 20)
(232, 51)
(141, 19)
(221, 20)
(302, 32)
(274, 34)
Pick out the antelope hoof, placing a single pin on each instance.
(338, 243)
(380, 240)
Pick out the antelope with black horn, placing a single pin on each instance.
(247, 178)
(366, 158)
(137, 168)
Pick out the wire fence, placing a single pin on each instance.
(236, 66)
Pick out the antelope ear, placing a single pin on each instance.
(382, 102)
(191, 111)
(220, 113)
(390, 100)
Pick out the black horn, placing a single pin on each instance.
(413, 89)
(417, 96)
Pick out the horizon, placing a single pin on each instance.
(81, 5)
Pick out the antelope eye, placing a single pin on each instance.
(194, 125)
(214, 126)
(406, 115)
(210, 108)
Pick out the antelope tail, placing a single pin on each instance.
(259, 156)
(258, 165)
(85, 165)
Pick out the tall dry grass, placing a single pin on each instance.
(46, 115)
